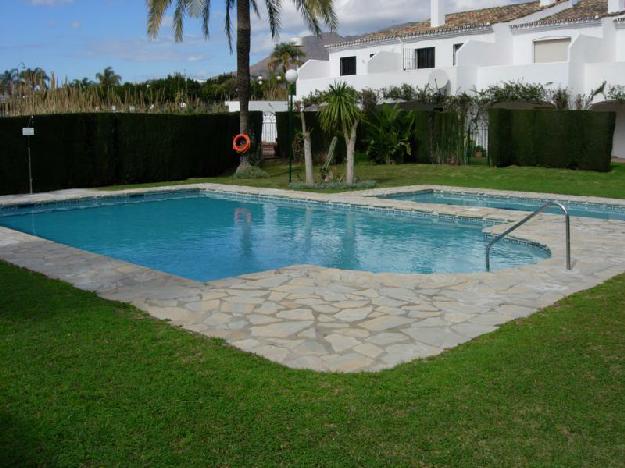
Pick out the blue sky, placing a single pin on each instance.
(78, 38)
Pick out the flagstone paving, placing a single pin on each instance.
(325, 319)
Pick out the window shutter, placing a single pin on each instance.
(551, 50)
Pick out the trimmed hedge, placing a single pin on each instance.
(92, 150)
(430, 130)
(549, 138)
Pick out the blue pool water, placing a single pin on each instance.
(205, 236)
(585, 210)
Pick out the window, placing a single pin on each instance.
(456, 49)
(348, 66)
(552, 50)
(426, 57)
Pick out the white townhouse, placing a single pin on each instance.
(574, 44)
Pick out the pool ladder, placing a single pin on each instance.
(567, 223)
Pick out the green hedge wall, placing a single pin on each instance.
(91, 150)
(429, 131)
(563, 139)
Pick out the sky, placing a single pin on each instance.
(78, 38)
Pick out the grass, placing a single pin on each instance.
(85, 381)
(526, 179)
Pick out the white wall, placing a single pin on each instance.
(445, 46)
(523, 40)
(495, 50)
(554, 73)
(618, 143)
(384, 62)
(597, 73)
(314, 69)
(264, 106)
(444, 51)
(362, 54)
(619, 41)
(418, 78)
(584, 50)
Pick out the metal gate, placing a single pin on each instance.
(270, 130)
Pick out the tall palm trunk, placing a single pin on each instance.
(244, 34)
(350, 140)
(308, 163)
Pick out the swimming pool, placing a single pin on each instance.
(585, 210)
(206, 236)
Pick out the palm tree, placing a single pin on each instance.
(108, 78)
(8, 80)
(313, 11)
(34, 78)
(284, 56)
(341, 112)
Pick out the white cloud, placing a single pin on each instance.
(144, 50)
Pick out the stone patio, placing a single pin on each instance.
(332, 320)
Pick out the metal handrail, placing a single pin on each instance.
(525, 220)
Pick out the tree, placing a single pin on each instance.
(341, 112)
(108, 78)
(284, 56)
(8, 80)
(313, 11)
(34, 78)
(84, 83)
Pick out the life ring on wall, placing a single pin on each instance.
(241, 143)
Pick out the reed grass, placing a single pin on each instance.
(34, 100)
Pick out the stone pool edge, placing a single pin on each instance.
(332, 320)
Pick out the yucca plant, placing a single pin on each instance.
(341, 112)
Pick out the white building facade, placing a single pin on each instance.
(573, 44)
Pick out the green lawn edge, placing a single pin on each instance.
(86, 381)
(524, 179)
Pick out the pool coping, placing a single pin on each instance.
(325, 319)
(582, 199)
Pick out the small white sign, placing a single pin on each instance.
(28, 131)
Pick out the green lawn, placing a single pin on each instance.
(528, 179)
(84, 381)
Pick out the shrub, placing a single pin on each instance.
(437, 137)
(388, 133)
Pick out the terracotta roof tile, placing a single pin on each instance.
(584, 10)
(471, 19)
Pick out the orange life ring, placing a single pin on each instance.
(241, 143)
